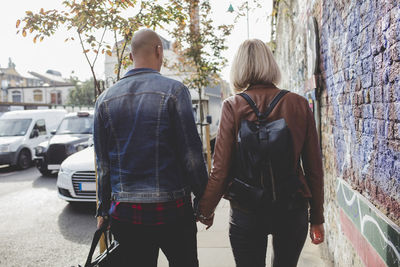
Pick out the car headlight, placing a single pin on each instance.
(65, 171)
(81, 146)
(70, 149)
(64, 177)
(39, 150)
(5, 148)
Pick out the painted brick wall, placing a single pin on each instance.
(360, 100)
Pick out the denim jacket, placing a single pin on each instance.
(147, 146)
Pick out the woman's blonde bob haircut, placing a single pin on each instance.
(254, 63)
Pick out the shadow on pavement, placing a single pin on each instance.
(7, 169)
(48, 182)
(12, 174)
(77, 222)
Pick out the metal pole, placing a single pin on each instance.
(102, 239)
(208, 147)
(247, 7)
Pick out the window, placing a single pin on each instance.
(53, 98)
(14, 127)
(16, 97)
(59, 98)
(56, 97)
(41, 127)
(76, 125)
(37, 95)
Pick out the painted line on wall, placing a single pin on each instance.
(368, 222)
(364, 249)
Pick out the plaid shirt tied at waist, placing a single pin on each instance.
(151, 213)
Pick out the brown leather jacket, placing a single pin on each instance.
(299, 117)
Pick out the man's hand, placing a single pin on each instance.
(317, 233)
(208, 221)
(102, 222)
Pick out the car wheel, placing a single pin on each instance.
(24, 159)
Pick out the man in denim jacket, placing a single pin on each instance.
(149, 161)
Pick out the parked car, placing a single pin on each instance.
(21, 131)
(72, 135)
(76, 179)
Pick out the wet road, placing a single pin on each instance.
(36, 227)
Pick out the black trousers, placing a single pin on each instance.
(140, 244)
(249, 232)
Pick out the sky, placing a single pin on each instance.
(67, 57)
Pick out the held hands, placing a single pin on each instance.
(317, 233)
(208, 221)
(102, 222)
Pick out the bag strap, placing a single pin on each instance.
(251, 103)
(96, 239)
(270, 107)
(275, 101)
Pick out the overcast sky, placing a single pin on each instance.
(54, 53)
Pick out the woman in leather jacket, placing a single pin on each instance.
(255, 72)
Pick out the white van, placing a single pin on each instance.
(21, 131)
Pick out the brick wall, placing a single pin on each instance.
(360, 99)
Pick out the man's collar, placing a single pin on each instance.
(139, 70)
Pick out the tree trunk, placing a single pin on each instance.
(195, 37)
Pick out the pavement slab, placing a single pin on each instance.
(214, 249)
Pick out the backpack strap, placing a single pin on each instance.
(273, 103)
(251, 103)
(270, 107)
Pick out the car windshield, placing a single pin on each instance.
(14, 127)
(76, 125)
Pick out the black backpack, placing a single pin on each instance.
(263, 171)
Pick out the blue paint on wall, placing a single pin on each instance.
(360, 59)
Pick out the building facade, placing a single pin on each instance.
(344, 56)
(54, 95)
(33, 88)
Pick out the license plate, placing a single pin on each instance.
(53, 167)
(87, 186)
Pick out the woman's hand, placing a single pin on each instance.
(103, 222)
(208, 221)
(317, 233)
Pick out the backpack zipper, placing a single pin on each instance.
(262, 179)
(271, 173)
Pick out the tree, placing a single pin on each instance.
(200, 46)
(82, 94)
(87, 21)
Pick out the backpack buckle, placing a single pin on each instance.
(263, 134)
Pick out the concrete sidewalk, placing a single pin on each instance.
(215, 251)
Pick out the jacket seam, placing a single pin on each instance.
(173, 96)
(117, 144)
(158, 142)
(132, 94)
(152, 196)
(141, 72)
(181, 122)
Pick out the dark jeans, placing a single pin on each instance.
(249, 232)
(140, 244)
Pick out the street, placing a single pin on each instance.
(39, 229)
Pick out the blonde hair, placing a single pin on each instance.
(253, 63)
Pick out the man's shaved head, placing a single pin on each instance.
(145, 42)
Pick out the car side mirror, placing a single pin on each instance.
(35, 133)
(53, 132)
